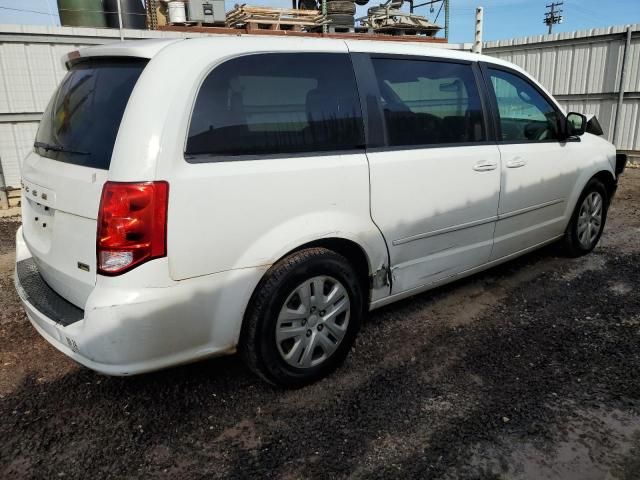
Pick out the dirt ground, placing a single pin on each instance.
(528, 371)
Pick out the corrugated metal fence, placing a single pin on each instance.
(30, 70)
(582, 69)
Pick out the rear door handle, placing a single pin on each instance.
(485, 166)
(516, 163)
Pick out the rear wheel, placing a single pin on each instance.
(588, 220)
(303, 318)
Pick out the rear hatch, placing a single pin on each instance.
(64, 175)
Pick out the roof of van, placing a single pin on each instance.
(150, 48)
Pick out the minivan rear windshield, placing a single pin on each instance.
(82, 119)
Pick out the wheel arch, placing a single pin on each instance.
(604, 180)
(355, 254)
(607, 178)
(600, 174)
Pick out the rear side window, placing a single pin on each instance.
(277, 103)
(525, 115)
(428, 102)
(82, 119)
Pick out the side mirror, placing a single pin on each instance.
(576, 124)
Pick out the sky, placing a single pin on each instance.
(502, 18)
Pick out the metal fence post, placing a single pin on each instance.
(447, 13)
(625, 58)
(477, 43)
(325, 27)
(4, 198)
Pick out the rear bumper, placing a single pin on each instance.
(36, 292)
(126, 331)
(56, 335)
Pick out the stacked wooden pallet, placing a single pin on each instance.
(252, 18)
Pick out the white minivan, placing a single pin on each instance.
(191, 198)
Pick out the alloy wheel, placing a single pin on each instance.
(312, 322)
(590, 219)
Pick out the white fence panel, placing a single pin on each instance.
(582, 69)
(16, 139)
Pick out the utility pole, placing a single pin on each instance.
(553, 16)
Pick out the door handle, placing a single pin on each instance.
(516, 163)
(485, 166)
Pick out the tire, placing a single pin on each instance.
(362, 2)
(341, 7)
(579, 240)
(267, 343)
(341, 20)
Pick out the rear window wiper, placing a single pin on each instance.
(59, 148)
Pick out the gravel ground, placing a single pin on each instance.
(528, 371)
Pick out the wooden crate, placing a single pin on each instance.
(266, 18)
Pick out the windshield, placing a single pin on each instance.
(82, 119)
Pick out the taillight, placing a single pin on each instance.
(132, 225)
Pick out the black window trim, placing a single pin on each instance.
(375, 131)
(198, 158)
(216, 158)
(495, 111)
(428, 58)
(428, 146)
(368, 87)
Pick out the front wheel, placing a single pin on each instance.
(588, 219)
(303, 318)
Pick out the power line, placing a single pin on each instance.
(553, 16)
(26, 10)
(588, 13)
(438, 14)
(77, 10)
(430, 3)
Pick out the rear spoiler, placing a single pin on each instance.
(70, 58)
(131, 48)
